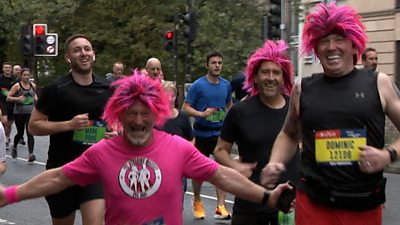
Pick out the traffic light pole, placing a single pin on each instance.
(175, 52)
(188, 76)
(264, 27)
(27, 47)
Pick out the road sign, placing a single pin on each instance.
(46, 45)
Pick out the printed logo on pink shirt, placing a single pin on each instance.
(140, 177)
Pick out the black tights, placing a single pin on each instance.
(21, 122)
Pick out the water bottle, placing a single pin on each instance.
(286, 218)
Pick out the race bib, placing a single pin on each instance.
(28, 100)
(217, 116)
(339, 147)
(92, 134)
(4, 91)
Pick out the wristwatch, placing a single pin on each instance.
(393, 153)
(265, 198)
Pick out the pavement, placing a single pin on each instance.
(393, 168)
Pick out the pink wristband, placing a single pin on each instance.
(10, 194)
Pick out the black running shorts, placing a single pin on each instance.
(206, 145)
(68, 201)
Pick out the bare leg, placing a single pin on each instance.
(220, 196)
(196, 189)
(93, 212)
(68, 220)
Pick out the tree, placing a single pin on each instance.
(233, 29)
(132, 32)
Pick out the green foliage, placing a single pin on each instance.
(132, 31)
(231, 27)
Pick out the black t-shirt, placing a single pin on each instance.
(5, 85)
(237, 87)
(62, 100)
(254, 127)
(180, 126)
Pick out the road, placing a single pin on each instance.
(35, 212)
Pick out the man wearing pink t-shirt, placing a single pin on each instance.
(141, 168)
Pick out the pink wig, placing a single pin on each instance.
(136, 88)
(274, 52)
(333, 19)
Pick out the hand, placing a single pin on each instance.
(287, 199)
(2, 198)
(110, 134)
(21, 98)
(208, 112)
(244, 168)
(80, 121)
(271, 173)
(276, 193)
(373, 160)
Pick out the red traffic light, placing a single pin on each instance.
(169, 35)
(39, 29)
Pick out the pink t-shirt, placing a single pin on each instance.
(142, 185)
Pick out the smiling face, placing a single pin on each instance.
(138, 122)
(336, 54)
(25, 76)
(80, 55)
(269, 79)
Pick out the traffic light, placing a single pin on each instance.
(26, 40)
(274, 20)
(44, 44)
(39, 33)
(39, 29)
(169, 40)
(190, 21)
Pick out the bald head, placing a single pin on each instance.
(118, 69)
(153, 67)
(17, 71)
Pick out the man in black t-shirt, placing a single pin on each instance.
(6, 82)
(70, 110)
(253, 125)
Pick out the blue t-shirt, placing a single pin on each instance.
(202, 95)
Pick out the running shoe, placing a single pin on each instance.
(32, 158)
(14, 153)
(221, 213)
(198, 209)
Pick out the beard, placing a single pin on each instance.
(139, 141)
(76, 67)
